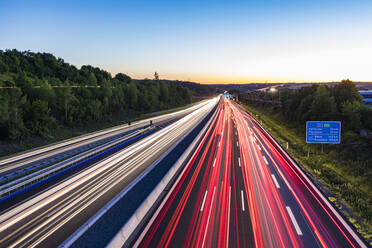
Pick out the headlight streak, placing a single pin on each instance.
(57, 206)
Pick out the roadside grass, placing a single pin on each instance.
(346, 183)
(8, 147)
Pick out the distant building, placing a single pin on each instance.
(367, 96)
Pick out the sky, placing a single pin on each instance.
(204, 41)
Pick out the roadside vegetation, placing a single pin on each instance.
(44, 99)
(343, 171)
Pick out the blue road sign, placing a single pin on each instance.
(323, 132)
(227, 95)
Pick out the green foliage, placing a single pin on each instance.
(345, 169)
(164, 94)
(319, 102)
(123, 78)
(38, 118)
(132, 94)
(352, 114)
(323, 106)
(49, 94)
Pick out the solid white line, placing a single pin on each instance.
(324, 199)
(205, 197)
(242, 194)
(297, 227)
(239, 162)
(259, 147)
(275, 181)
(209, 215)
(228, 219)
(265, 160)
(214, 162)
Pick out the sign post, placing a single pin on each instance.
(323, 132)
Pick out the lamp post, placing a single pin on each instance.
(273, 90)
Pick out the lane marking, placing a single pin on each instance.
(242, 195)
(214, 162)
(275, 181)
(259, 147)
(255, 139)
(239, 162)
(209, 215)
(236, 133)
(297, 227)
(228, 219)
(205, 197)
(237, 143)
(219, 143)
(265, 160)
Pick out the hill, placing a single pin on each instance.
(40, 94)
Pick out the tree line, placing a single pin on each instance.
(320, 102)
(340, 102)
(43, 93)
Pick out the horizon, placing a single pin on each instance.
(208, 43)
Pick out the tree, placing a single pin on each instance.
(39, 120)
(65, 98)
(92, 80)
(345, 91)
(3, 67)
(164, 93)
(132, 95)
(123, 78)
(323, 106)
(352, 115)
(22, 80)
(156, 76)
(15, 123)
(4, 112)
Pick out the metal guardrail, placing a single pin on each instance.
(23, 187)
(136, 187)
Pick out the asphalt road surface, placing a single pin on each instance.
(240, 189)
(49, 218)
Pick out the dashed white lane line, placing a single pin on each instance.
(265, 160)
(275, 181)
(236, 133)
(239, 162)
(214, 162)
(219, 143)
(237, 143)
(259, 147)
(297, 227)
(242, 195)
(205, 197)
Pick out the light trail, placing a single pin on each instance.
(39, 218)
(289, 214)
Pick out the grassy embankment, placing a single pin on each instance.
(31, 142)
(347, 184)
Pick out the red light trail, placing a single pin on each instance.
(241, 190)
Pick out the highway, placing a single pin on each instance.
(49, 217)
(13, 162)
(33, 166)
(241, 189)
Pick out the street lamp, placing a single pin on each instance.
(273, 90)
